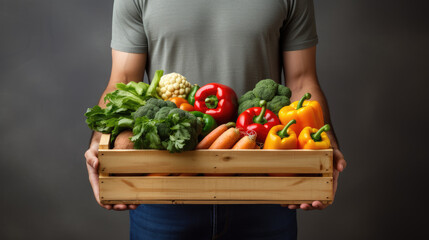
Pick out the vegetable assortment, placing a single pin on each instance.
(171, 114)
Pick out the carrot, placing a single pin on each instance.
(227, 139)
(246, 142)
(213, 135)
(257, 146)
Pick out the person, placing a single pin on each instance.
(236, 43)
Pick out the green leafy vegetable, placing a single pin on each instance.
(117, 114)
(156, 124)
(175, 133)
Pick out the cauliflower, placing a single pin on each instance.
(173, 85)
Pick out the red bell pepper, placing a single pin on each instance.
(217, 100)
(259, 119)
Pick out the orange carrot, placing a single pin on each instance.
(213, 135)
(227, 139)
(246, 142)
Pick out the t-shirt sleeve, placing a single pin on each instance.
(299, 28)
(128, 34)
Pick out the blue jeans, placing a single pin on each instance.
(207, 222)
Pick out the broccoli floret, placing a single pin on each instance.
(283, 91)
(152, 107)
(180, 112)
(186, 115)
(265, 89)
(157, 102)
(277, 103)
(248, 104)
(148, 110)
(163, 113)
(163, 130)
(170, 104)
(247, 96)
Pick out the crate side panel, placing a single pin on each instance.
(216, 188)
(216, 161)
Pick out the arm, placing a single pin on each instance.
(301, 77)
(126, 67)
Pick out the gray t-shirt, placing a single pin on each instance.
(232, 42)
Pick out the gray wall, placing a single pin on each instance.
(55, 62)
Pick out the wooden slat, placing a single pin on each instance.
(216, 188)
(216, 161)
(104, 141)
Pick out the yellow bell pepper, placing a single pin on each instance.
(313, 138)
(306, 113)
(281, 137)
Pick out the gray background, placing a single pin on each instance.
(55, 62)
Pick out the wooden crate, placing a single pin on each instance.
(122, 177)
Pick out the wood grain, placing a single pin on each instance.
(216, 161)
(216, 188)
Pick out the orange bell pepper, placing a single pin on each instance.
(182, 104)
(306, 113)
(313, 138)
(281, 137)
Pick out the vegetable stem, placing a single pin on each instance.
(305, 97)
(211, 101)
(283, 133)
(260, 118)
(151, 91)
(317, 136)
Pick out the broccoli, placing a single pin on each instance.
(158, 102)
(248, 104)
(163, 113)
(181, 113)
(265, 89)
(276, 95)
(147, 110)
(192, 119)
(283, 91)
(247, 96)
(152, 107)
(163, 130)
(277, 103)
(170, 104)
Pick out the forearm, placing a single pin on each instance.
(301, 78)
(126, 67)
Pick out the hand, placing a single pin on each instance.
(339, 166)
(91, 156)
